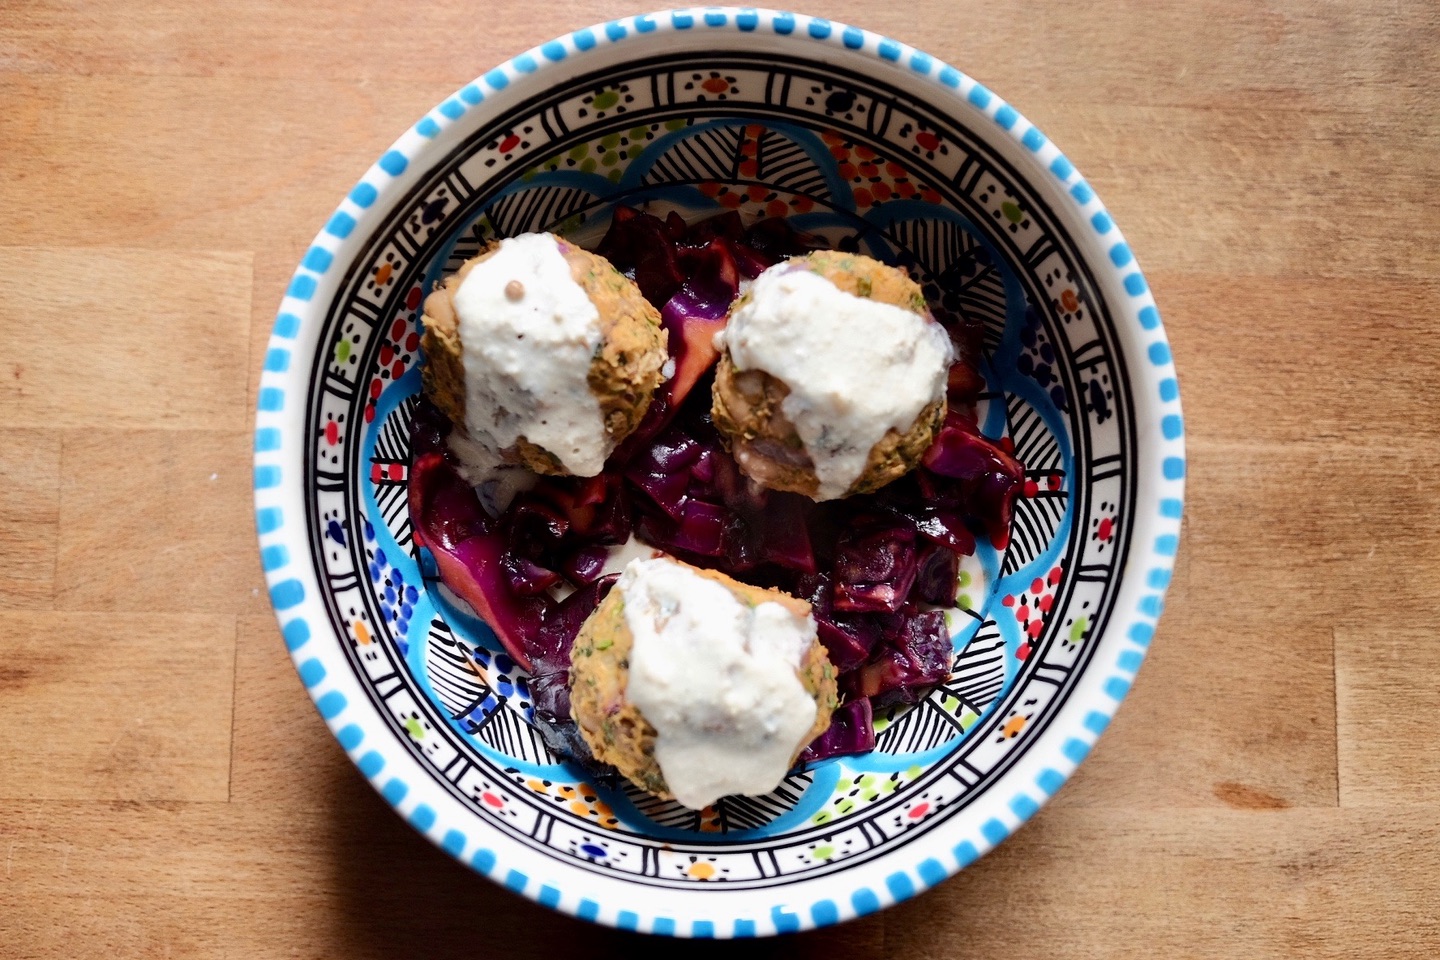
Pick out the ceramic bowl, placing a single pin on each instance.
(857, 138)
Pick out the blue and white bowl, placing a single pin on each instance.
(854, 137)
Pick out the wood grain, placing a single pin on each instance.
(1366, 348)
(29, 517)
(1386, 696)
(1270, 788)
(133, 707)
(123, 338)
(157, 520)
(281, 755)
(1229, 885)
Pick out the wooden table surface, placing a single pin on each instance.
(1270, 789)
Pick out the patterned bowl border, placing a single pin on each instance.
(284, 549)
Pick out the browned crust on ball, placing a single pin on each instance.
(866, 277)
(624, 372)
(745, 405)
(896, 454)
(618, 734)
(746, 410)
(443, 373)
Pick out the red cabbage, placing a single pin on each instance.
(775, 240)
(848, 639)
(534, 521)
(549, 683)
(550, 692)
(675, 227)
(667, 490)
(847, 643)
(579, 506)
(670, 453)
(726, 226)
(449, 520)
(691, 319)
(526, 578)
(875, 570)
(712, 279)
(990, 477)
(938, 579)
(944, 527)
(612, 523)
(915, 658)
(657, 417)
(583, 565)
(782, 536)
(965, 384)
(596, 508)
(702, 471)
(737, 491)
(556, 635)
(851, 730)
(701, 529)
(639, 247)
(739, 547)
(750, 263)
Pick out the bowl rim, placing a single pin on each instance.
(280, 450)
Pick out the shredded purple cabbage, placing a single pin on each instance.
(851, 730)
(937, 580)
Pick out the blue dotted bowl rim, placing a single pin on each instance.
(1047, 763)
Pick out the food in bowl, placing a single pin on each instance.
(833, 377)
(873, 147)
(813, 446)
(696, 686)
(542, 354)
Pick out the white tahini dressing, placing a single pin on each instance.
(856, 368)
(496, 482)
(528, 333)
(717, 680)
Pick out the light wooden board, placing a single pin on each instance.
(29, 517)
(1270, 789)
(123, 707)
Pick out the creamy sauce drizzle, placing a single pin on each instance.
(528, 333)
(496, 482)
(717, 680)
(856, 368)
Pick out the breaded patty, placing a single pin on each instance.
(618, 734)
(623, 373)
(746, 404)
